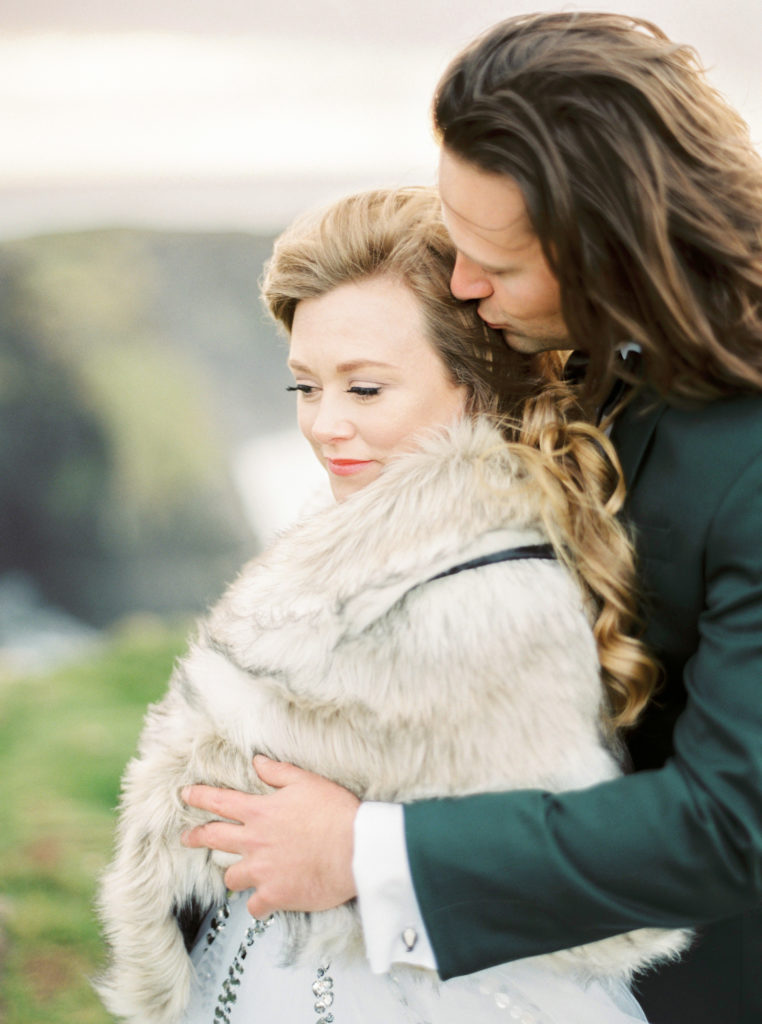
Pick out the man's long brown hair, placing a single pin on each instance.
(641, 183)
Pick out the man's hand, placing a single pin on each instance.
(295, 844)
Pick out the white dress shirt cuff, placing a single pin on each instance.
(391, 919)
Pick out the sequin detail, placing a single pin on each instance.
(209, 963)
(228, 995)
(218, 922)
(322, 989)
(523, 1012)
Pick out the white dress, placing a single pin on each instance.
(241, 979)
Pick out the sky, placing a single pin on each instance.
(240, 113)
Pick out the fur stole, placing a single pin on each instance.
(336, 651)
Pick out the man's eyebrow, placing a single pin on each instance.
(486, 267)
(515, 250)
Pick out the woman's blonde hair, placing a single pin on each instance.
(576, 467)
(399, 234)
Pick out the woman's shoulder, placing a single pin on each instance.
(451, 499)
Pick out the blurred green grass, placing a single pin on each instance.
(65, 738)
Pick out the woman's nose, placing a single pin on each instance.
(332, 421)
(468, 280)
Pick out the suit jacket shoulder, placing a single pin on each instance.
(694, 478)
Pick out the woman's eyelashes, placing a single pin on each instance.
(362, 390)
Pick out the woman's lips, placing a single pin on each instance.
(346, 467)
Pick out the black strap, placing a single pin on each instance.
(506, 555)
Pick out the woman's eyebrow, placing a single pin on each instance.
(347, 367)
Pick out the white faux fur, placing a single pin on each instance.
(481, 681)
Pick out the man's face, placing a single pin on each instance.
(500, 260)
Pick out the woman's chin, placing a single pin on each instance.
(343, 487)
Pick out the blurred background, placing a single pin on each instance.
(151, 152)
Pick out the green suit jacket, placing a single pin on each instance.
(678, 842)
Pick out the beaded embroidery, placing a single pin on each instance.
(516, 1011)
(227, 998)
(218, 922)
(208, 966)
(209, 958)
(322, 989)
(523, 1012)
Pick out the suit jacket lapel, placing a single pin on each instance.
(632, 432)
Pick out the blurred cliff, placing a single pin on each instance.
(133, 364)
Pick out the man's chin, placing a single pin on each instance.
(520, 342)
(530, 346)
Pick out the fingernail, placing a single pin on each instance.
(183, 837)
(184, 793)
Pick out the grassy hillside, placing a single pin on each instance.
(64, 740)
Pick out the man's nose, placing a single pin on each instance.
(468, 280)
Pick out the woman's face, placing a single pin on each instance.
(368, 379)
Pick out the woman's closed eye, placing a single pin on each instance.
(364, 390)
(361, 390)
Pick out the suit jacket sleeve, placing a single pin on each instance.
(504, 876)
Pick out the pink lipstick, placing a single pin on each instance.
(346, 467)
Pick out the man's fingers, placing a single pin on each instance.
(259, 907)
(287, 839)
(277, 773)
(217, 835)
(224, 803)
(241, 876)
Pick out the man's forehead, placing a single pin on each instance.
(490, 204)
(489, 221)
